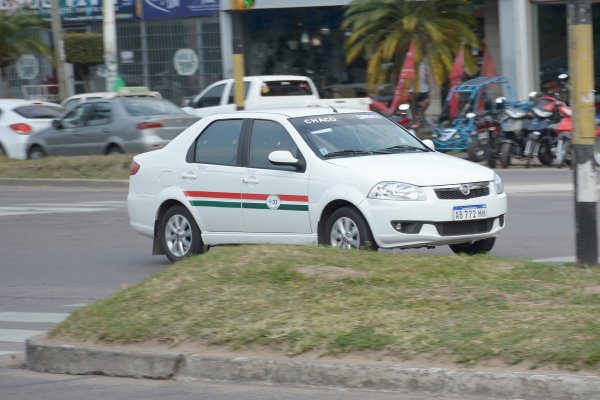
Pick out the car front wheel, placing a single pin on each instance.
(347, 229)
(180, 236)
(478, 247)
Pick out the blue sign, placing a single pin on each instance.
(91, 10)
(167, 9)
(73, 11)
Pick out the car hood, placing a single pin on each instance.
(421, 169)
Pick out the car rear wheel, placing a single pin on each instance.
(478, 247)
(36, 153)
(113, 149)
(180, 235)
(347, 229)
(2, 152)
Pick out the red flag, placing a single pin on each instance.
(488, 68)
(407, 72)
(455, 78)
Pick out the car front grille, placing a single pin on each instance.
(457, 228)
(479, 189)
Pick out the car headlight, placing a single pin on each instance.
(498, 185)
(396, 191)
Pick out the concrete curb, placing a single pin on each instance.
(56, 358)
(67, 183)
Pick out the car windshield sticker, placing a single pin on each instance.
(285, 202)
(323, 151)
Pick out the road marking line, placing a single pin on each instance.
(5, 353)
(32, 317)
(17, 335)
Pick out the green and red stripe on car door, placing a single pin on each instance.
(288, 202)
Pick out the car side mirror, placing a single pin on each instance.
(282, 157)
(56, 124)
(429, 143)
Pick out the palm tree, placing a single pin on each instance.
(17, 37)
(383, 29)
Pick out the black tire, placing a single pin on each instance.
(113, 149)
(2, 151)
(545, 153)
(476, 153)
(179, 234)
(505, 158)
(478, 247)
(36, 153)
(490, 154)
(346, 228)
(597, 150)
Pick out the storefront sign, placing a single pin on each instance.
(166, 9)
(72, 11)
(185, 62)
(27, 66)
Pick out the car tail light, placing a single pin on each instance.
(135, 167)
(149, 125)
(21, 128)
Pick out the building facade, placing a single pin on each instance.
(180, 47)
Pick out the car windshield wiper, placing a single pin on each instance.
(343, 153)
(400, 148)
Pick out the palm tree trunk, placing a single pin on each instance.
(5, 85)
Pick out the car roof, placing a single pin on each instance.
(291, 112)
(21, 102)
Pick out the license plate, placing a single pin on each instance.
(466, 213)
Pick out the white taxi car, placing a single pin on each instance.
(350, 179)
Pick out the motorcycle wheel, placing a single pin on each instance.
(476, 152)
(564, 156)
(597, 151)
(505, 156)
(545, 153)
(490, 156)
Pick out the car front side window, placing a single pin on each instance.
(219, 143)
(266, 137)
(100, 114)
(211, 98)
(76, 117)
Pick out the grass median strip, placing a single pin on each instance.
(292, 300)
(77, 167)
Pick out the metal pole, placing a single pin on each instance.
(110, 44)
(59, 51)
(581, 75)
(238, 60)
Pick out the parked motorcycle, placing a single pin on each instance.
(540, 133)
(486, 138)
(514, 136)
(563, 152)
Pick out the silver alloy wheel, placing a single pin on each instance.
(178, 235)
(36, 154)
(345, 234)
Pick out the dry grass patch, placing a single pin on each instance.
(295, 300)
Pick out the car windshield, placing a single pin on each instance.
(39, 111)
(149, 106)
(356, 134)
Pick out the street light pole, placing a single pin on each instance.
(59, 50)
(109, 30)
(581, 75)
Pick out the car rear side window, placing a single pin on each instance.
(219, 142)
(39, 111)
(286, 88)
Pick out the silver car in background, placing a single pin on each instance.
(108, 126)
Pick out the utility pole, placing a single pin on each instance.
(109, 29)
(59, 50)
(238, 49)
(581, 66)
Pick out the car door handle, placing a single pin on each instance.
(106, 130)
(189, 175)
(250, 179)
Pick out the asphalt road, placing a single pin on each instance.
(61, 248)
